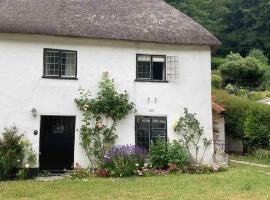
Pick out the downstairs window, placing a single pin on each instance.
(148, 129)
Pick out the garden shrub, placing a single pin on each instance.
(244, 117)
(124, 160)
(216, 81)
(158, 154)
(162, 154)
(15, 153)
(79, 173)
(22, 174)
(256, 124)
(177, 155)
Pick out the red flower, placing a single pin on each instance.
(102, 173)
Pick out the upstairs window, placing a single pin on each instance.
(60, 63)
(151, 68)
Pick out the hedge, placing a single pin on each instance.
(244, 117)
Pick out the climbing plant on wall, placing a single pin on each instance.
(100, 118)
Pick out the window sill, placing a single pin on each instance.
(63, 78)
(152, 81)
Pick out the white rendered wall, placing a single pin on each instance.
(220, 136)
(22, 86)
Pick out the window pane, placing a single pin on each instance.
(143, 132)
(144, 67)
(158, 123)
(158, 133)
(143, 123)
(172, 68)
(158, 59)
(158, 68)
(143, 138)
(68, 68)
(144, 58)
(52, 63)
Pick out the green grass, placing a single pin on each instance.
(239, 182)
(250, 158)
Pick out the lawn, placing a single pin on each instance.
(239, 182)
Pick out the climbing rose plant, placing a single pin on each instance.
(191, 133)
(100, 118)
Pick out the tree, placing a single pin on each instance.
(209, 13)
(241, 25)
(259, 55)
(241, 71)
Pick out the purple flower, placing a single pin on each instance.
(124, 151)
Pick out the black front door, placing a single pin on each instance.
(56, 143)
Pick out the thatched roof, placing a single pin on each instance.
(135, 20)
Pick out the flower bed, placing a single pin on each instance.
(131, 160)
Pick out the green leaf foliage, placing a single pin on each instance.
(244, 118)
(241, 25)
(216, 81)
(100, 118)
(192, 133)
(259, 55)
(15, 153)
(163, 153)
(216, 62)
(241, 70)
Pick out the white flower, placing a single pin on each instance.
(216, 167)
(137, 165)
(27, 165)
(145, 164)
(99, 125)
(18, 160)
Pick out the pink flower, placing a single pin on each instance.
(215, 167)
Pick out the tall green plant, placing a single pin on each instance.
(100, 118)
(191, 133)
(163, 153)
(15, 153)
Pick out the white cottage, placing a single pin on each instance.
(50, 48)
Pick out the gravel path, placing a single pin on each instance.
(250, 163)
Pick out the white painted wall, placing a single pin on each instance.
(220, 136)
(22, 86)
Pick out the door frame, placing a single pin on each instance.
(48, 115)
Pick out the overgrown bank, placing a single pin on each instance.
(245, 118)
